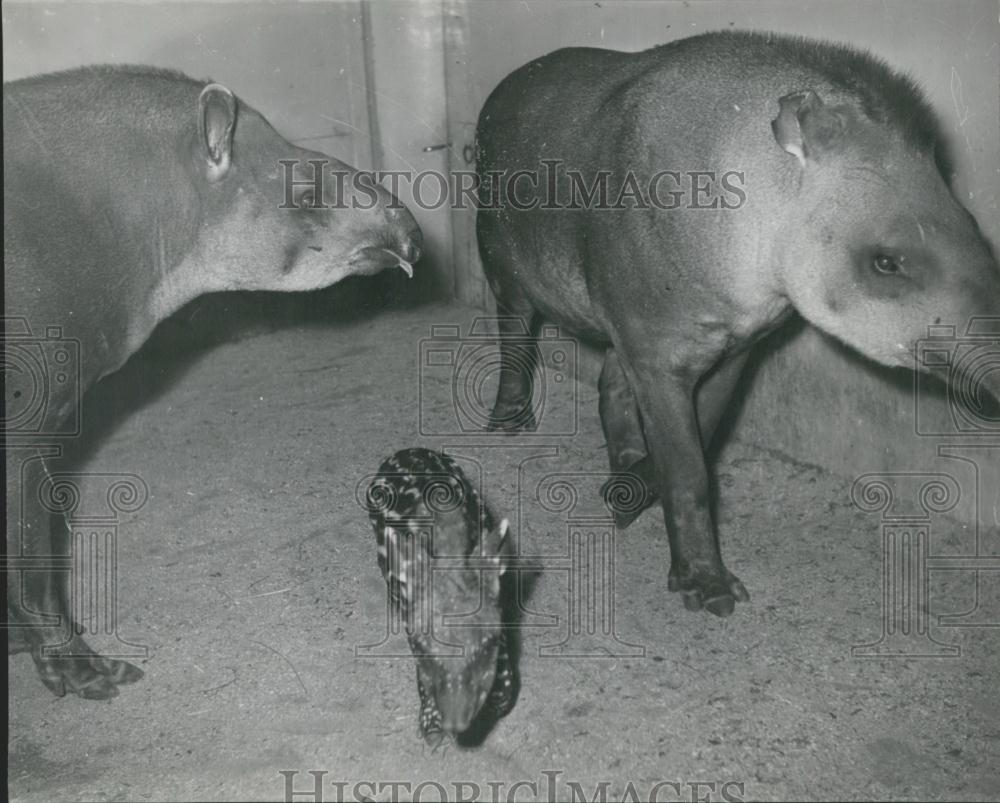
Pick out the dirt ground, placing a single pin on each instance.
(250, 575)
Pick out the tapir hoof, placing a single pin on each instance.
(715, 593)
(434, 736)
(85, 673)
(516, 417)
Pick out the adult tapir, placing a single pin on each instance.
(747, 175)
(128, 191)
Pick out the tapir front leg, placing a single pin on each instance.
(626, 442)
(666, 401)
(38, 610)
(429, 726)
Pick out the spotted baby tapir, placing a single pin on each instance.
(442, 556)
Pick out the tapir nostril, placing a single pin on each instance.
(411, 252)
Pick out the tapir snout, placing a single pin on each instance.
(309, 219)
(458, 705)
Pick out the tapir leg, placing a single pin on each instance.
(518, 324)
(716, 393)
(619, 413)
(429, 722)
(626, 443)
(666, 401)
(38, 611)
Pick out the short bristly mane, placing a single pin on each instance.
(885, 95)
(114, 70)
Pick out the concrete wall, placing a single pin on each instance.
(304, 71)
(359, 81)
(408, 79)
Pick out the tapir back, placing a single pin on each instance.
(703, 109)
(693, 98)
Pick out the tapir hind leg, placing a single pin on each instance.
(39, 556)
(626, 443)
(666, 401)
(518, 324)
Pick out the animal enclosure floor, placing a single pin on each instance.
(250, 576)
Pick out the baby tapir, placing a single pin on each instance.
(442, 555)
(680, 203)
(128, 191)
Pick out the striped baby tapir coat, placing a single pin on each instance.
(442, 556)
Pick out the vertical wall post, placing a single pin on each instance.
(462, 111)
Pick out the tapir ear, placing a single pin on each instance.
(216, 122)
(805, 126)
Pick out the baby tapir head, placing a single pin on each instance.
(278, 217)
(878, 249)
(456, 634)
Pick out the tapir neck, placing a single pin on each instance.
(112, 238)
(165, 229)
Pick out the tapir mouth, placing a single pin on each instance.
(376, 259)
(458, 706)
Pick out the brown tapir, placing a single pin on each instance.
(681, 202)
(128, 191)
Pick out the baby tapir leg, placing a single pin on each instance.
(429, 726)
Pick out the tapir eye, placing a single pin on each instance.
(883, 263)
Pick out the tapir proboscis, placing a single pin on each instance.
(129, 191)
(747, 176)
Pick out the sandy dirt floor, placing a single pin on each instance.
(250, 576)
